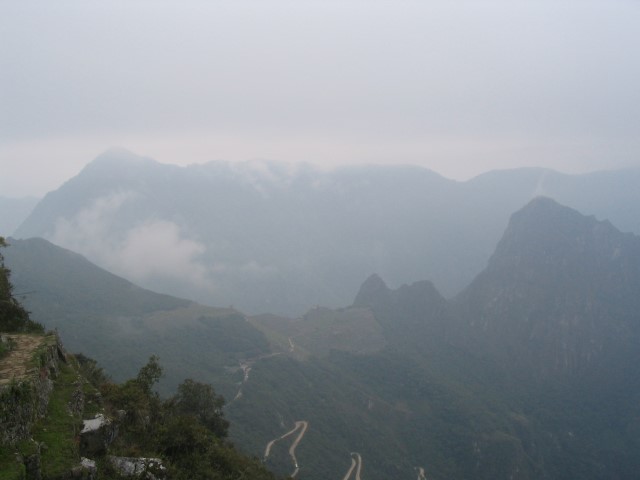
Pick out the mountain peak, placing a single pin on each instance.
(119, 157)
(545, 230)
(371, 290)
(560, 289)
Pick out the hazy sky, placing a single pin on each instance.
(457, 86)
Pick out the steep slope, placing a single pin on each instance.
(123, 324)
(414, 317)
(248, 234)
(560, 293)
(529, 373)
(555, 315)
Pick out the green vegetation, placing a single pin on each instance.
(515, 378)
(187, 430)
(13, 317)
(122, 325)
(58, 430)
(11, 468)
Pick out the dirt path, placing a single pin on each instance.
(292, 450)
(246, 370)
(356, 463)
(359, 467)
(353, 465)
(16, 364)
(300, 425)
(421, 474)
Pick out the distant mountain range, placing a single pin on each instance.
(266, 237)
(528, 373)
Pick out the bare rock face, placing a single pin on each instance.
(96, 435)
(87, 470)
(147, 468)
(559, 296)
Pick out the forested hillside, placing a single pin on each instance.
(62, 417)
(528, 373)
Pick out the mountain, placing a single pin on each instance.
(268, 237)
(560, 293)
(528, 373)
(121, 324)
(13, 211)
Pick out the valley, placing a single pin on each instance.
(485, 385)
(320, 240)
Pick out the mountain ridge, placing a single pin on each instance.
(432, 387)
(547, 249)
(258, 228)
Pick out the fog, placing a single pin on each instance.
(460, 87)
(153, 253)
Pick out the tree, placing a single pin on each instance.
(201, 401)
(13, 316)
(150, 374)
(136, 398)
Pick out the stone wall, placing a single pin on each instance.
(24, 400)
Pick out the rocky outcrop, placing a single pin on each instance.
(147, 468)
(96, 435)
(24, 398)
(558, 298)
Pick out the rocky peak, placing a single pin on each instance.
(371, 291)
(549, 232)
(560, 291)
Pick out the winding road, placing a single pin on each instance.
(356, 464)
(301, 425)
(246, 370)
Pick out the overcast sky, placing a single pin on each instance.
(458, 86)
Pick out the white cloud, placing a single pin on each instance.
(158, 249)
(149, 253)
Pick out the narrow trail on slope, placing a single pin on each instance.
(421, 474)
(17, 363)
(246, 367)
(301, 425)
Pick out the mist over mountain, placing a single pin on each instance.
(560, 293)
(529, 373)
(13, 211)
(122, 324)
(547, 335)
(267, 237)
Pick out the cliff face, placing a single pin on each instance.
(41, 402)
(559, 296)
(61, 418)
(26, 383)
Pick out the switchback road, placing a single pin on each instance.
(302, 426)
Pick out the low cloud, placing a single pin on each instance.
(150, 253)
